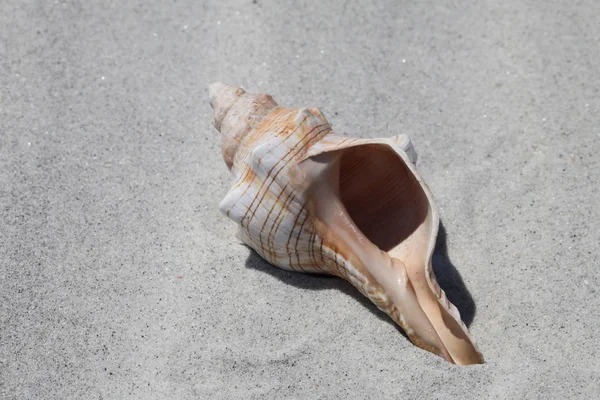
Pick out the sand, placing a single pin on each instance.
(120, 279)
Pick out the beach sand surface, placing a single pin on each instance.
(120, 279)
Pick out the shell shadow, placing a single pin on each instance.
(313, 282)
(448, 278)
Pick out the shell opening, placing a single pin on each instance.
(385, 201)
(382, 196)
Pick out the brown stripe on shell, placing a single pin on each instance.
(278, 220)
(251, 140)
(304, 142)
(287, 245)
(298, 236)
(275, 203)
(260, 132)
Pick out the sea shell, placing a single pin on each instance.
(308, 200)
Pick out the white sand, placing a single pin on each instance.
(120, 279)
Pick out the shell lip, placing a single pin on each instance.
(428, 266)
(420, 266)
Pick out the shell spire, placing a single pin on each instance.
(308, 200)
(236, 113)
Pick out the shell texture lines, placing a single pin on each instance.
(311, 201)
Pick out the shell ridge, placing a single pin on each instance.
(278, 220)
(289, 239)
(278, 113)
(287, 159)
(297, 245)
(275, 203)
(257, 162)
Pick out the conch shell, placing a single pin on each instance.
(308, 200)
